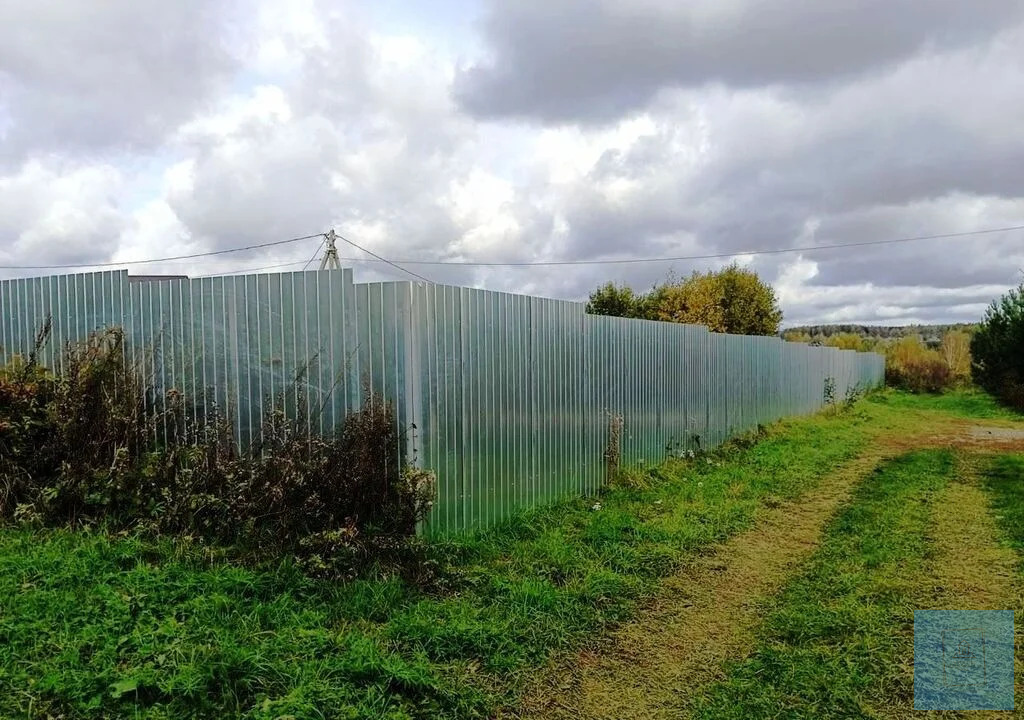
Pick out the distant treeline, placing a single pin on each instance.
(930, 335)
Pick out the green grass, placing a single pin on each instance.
(99, 626)
(1004, 478)
(93, 625)
(963, 402)
(834, 638)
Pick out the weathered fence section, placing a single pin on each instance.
(509, 399)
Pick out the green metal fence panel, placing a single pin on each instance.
(240, 346)
(75, 304)
(508, 399)
(233, 345)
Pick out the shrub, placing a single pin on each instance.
(26, 392)
(912, 366)
(91, 444)
(998, 349)
(853, 394)
(828, 394)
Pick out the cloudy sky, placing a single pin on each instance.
(497, 131)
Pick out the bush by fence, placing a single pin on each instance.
(86, 444)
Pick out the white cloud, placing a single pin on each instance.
(163, 130)
(60, 211)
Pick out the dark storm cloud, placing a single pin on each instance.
(593, 60)
(924, 148)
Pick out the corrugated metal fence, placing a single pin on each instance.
(507, 398)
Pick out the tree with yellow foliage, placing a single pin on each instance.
(797, 336)
(956, 351)
(846, 341)
(912, 366)
(731, 300)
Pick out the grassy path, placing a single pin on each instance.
(1003, 478)
(969, 567)
(660, 663)
(703, 616)
(949, 556)
(834, 641)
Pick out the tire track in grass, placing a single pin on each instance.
(969, 568)
(972, 568)
(834, 641)
(1001, 480)
(704, 615)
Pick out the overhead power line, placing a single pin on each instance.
(242, 271)
(710, 256)
(533, 263)
(733, 253)
(150, 261)
(313, 257)
(370, 252)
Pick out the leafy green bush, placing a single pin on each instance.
(90, 444)
(997, 349)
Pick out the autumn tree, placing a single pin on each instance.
(697, 300)
(797, 337)
(956, 351)
(731, 300)
(846, 341)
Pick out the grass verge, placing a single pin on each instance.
(93, 625)
(1004, 479)
(98, 625)
(961, 402)
(834, 639)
